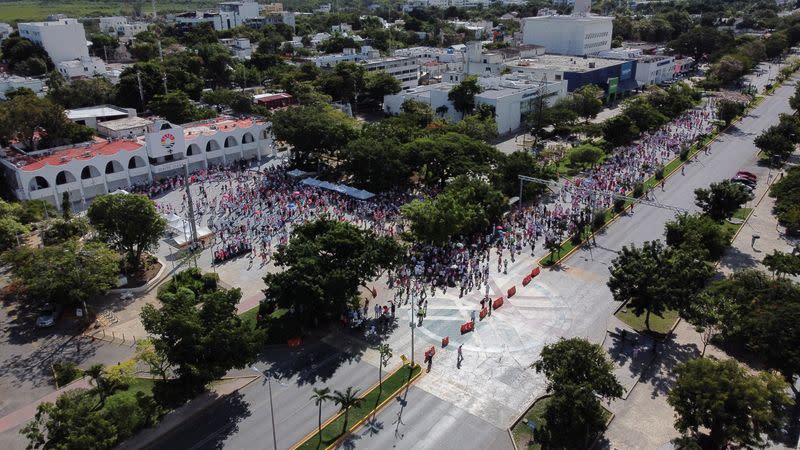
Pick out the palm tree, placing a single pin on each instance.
(385, 355)
(321, 396)
(346, 400)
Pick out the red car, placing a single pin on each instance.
(746, 174)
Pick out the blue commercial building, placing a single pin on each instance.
(614, 76)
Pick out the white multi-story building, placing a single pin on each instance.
(348, 54)
(569, 35)
(492, 62)
(229, 15)
(403, 68)
(135, 151)
(510, 96)
(13, 82)
(5, 30)
(63, 39)
(83, 67)
(241, 48)
(650, 69)
(121, 27)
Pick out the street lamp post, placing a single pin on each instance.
(271, 410)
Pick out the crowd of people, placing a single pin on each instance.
(251, 212)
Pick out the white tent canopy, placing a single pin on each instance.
(340, 188)
(181, 229)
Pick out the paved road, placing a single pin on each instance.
(419, 420)
(243, 420)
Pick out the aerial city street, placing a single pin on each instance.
(542, 224)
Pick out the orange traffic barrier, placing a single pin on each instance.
(467, 327)
(535, 272)
(526, 280)
(498, 302)
(483, 313)
(294, 343)
(512, 291)
(445, 341)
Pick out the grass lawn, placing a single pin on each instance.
(658, 324)
(740, 214)
(521, 432)
(30, 10)
(371, 400)
(251, 315)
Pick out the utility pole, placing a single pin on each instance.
(155, 15)
(193, 226)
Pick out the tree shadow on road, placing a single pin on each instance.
(234, 409)
(631, 350)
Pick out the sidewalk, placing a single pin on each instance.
(27, 412)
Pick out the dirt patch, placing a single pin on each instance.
(150, 268)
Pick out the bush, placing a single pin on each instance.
(619, 205)
(638, 190)
(660, 173)
(210, 281)
(576, 238)
(66, 372)
(684, 154)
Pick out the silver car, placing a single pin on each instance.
(48, 315)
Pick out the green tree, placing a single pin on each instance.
(721, 200)
(463, 95)
(577, 372)
(320, 396)
(707, 313)
(71, 422)
(151, 76)
(690, 231)
(379, 83)
(59, 230)
(313, 132)
(620, 130)
(794, 100)
(19, 52)
(587, 101)
(177, 108)
(643, 114)
(443, 156)
(67, 274)
(83, 92)
(729, 69)
(727, 110)
(466, 206)
(732, 405)
(505, 177)
(35, 123)
(578, 362)
(419, 111)
(130, 222)
(384, 355)
(11, 228)
(585, 154)
(773, 142)
(654, 278)
(786, 192)
(376, 164)
(476, 127)
(201, 343)
(782, 264)
(344, 82)
(346, 400)
(325, 263)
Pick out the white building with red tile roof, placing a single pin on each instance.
(133, 153)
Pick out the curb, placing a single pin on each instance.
(144, 288)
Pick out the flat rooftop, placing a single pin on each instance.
(95, 111)
(125, 124)
(211, 127)
(63, 155)
(565, 63)
(588, 19)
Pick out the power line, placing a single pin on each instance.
(556, 185)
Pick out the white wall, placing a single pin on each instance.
(63, 40)
(567, 35)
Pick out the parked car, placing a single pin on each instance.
(742, 179)
(48, 315)
(744, 173)
(743, 183)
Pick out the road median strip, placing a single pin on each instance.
(379, 396)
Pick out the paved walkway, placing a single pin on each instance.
(27, 412)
